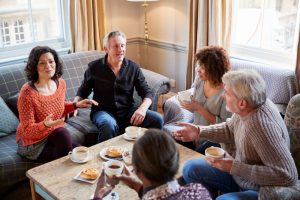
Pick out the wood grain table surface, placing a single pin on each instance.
(56, 178)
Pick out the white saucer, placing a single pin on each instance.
(80, 161)
(79, 178)
(113, 195)
(104, 157)
(126, 137)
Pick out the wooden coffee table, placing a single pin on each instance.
(55, 180)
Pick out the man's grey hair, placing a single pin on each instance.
(247, 85)
(110, 35)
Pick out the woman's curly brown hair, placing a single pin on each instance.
(215, 61)
(33, 59)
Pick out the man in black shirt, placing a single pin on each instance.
(112, 80)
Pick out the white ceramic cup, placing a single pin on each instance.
(80, 153)
(133, 131)
(184, 96)
(214, 152)
(112, 168)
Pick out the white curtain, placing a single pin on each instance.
(209, 24)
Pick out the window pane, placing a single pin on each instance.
(266, 24)
(28, 23)
(45, 19)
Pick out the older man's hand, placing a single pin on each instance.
(189, 133)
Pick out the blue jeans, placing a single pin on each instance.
(109, 126)
(199, 171)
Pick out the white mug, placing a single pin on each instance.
(214, 152)
(80, 153)
(133, 131)
(112, 168)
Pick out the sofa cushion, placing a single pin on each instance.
(77, 136)
(83, 124)
(12, 103)
(8, 121)
(12, 166)
(292, 121)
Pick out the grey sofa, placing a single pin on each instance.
(12, 166)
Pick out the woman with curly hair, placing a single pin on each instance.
(42, 107)
(207, 105)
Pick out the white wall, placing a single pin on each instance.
(165, 52)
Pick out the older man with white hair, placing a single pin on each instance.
(262, 156)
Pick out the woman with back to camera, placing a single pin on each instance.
(42, 107)
(207, 105)
(155, 160)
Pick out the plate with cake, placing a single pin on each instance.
(88, 175)
(111, 153)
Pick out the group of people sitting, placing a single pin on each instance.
(227, 107)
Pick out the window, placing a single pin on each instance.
(5, 33)
(266, 31)
(19, 32)
(28, 23)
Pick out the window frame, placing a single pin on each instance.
(265, 56)
(62, 45)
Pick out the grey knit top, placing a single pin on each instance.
(262, 147)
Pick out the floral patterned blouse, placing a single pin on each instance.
(173, 191)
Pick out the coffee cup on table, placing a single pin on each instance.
(214, 152)
(80, 153)
(111, 169)
(133, 131)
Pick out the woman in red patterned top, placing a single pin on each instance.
(42, 108)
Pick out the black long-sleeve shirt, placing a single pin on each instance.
(114, 93)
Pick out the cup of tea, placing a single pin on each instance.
(133, 131)
(80, 153)
(214, 152)
(113, 168)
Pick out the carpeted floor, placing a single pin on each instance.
(21, 191)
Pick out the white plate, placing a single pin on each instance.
(104, 157)
(79, 178)
(80, 161)
(126, 137)
(113, 195)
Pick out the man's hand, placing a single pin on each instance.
(49, 122)
(223, 164)
(86, 103)
(102, 189)
(189, 133)
(130, 179)
(138, 116)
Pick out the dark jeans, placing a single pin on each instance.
(201, 148)
(109, 126)
(59, 143)
(199, 171)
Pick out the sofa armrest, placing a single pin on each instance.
(280, 192)
(158, 83)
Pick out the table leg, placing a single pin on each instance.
(34, 194)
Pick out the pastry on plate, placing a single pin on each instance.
(114, 152)
(90, 173)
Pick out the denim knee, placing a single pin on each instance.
(153, 120)
(248, 194)
(192, 170)
(106, 125)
